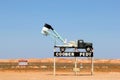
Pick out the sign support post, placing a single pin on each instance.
(54, 65)
(75, 65)
(92, 66)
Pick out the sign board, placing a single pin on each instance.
(22, 62)
(73, 54)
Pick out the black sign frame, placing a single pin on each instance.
(73, 54)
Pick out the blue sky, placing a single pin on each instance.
(96, 21)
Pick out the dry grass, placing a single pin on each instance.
(62, 64)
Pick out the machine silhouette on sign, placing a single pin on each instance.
(79, 44)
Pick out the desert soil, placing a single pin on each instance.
(11, 75)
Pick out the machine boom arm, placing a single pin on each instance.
(48, 30)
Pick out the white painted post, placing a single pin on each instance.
(54, 70)
(76, 62)
(54, 65)
(75, 65)
(92, 66)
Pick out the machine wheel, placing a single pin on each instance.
(88, 49)
(62, 49)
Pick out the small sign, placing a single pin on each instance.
(22, 62)
(73, 54)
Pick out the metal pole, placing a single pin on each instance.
(54, 65)
(92, 66)
(75, 66)
(54, 72)
(76, 62)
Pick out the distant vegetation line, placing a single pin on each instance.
(39, 66)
